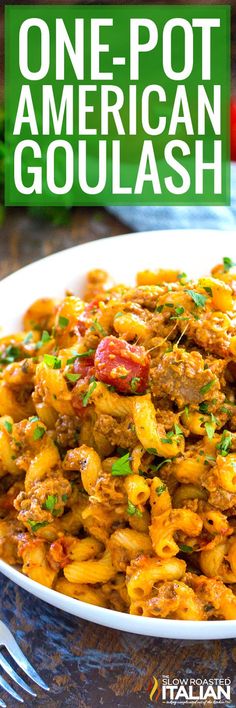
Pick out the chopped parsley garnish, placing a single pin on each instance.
(97, 327)
(152, 450)
(168, 437)
(52, 361)
(73, 377)
(209, 426)
(178, 430)
(34, 418)
(160, 489)
(208, 291)
(72, 359)
(39, 432)
(64, 498)
(134, 383)
(35, 525)
(181, 276)
(44, 339)
(159, 308)
(118, 314)
(178, 313)
(11, 354)
(179, 310)
(203, 407)
(121, 467)
(132, 509)
(185, 549)
(28, 338)
(87, 395)
(45, 336)
(164, 462)
(63, 322)
(204, 389)
(50, 503)
(199, 300)
(186, 410)
(8, 426)
(209, 458)
(225, 443)
(228, 263)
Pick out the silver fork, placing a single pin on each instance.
(7, 640)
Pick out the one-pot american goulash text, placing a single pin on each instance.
(118, 444)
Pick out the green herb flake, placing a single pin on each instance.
(64, 498)
(133, 510)
(209, 428)
(168, 437)
(203, 407)
(178, 430)
(36, 525)
(152, 450)
(182, 276)
(209, 458)
(159, 308)
(225, 443)
(163, 462)
(8, 426)
(63, 322)
(226, 410)
(208, 291)
(52, 361)
(44, 339)
(186, 411)
(80, 355)
(38, 433)
(118, 314)
(185, 549)
(87, 395)
(160, 489)
(73, 377)
(204, 389)
(28, 338)
(11, 354)
(134, 383)
(50, 503)
(179, 310)
(97, 327)
(121, 467)
(199, 300)
(228, 264)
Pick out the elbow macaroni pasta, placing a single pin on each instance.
(118, 445)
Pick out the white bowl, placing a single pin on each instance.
(194, 252)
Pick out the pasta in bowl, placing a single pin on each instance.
(118, 447)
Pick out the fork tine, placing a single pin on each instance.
(11, 645)
(10, 671)
(2, 704)
(10, 690)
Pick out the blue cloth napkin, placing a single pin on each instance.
(146, 218)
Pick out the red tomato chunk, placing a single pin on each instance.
(122, 365)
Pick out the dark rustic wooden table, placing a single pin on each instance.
(84, 664)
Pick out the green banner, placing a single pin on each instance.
(117, 105)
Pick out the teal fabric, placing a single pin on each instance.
(146, 218)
